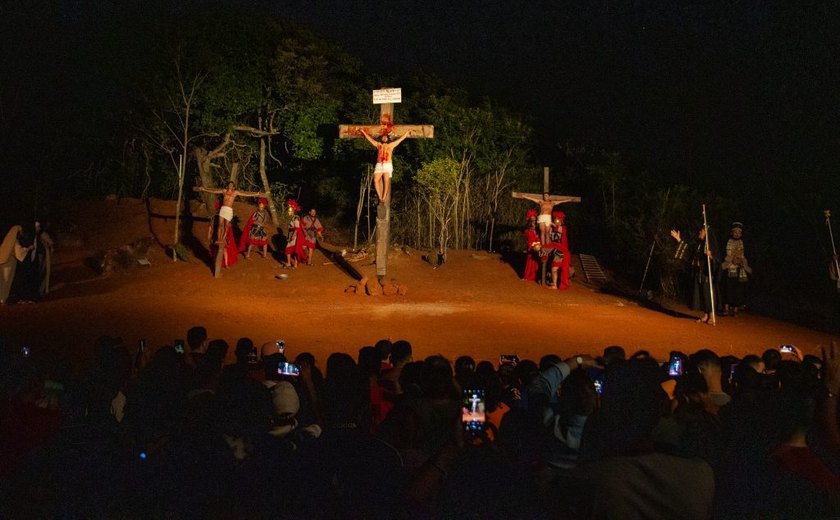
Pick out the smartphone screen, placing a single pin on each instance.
(732, 372)
(473, 413)
(288, 369)
(675, 366)
(508, 359)
(599, 384)
(179, 346)
(790, 349)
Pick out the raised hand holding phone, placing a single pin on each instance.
(473, 415)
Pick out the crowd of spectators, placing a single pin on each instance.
(160, 433)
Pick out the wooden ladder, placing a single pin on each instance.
(592, 269)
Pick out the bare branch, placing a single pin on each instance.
(255, 131)
(221, 149)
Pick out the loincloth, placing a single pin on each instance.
(385, 167)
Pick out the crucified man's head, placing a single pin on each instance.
(231, 186)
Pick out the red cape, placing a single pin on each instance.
(531, 264)
(297, 249)
(230, 247)
(246, 232)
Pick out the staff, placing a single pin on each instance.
(836, 272)
(709, 264)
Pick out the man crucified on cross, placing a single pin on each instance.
(384, 161)
(546, 203)
(229, 194)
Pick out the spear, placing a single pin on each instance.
(827, 214)
(709, 265)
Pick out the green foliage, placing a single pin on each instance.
(438, 178)
(236, 75)
(438, 183)
(491, 145)
(281, 192)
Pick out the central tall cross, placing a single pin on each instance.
(385, 98)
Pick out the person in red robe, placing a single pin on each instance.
(312, 232)
(532, 240)
(557, 251)
(294, 238)
(254, 233)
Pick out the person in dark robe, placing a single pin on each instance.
(698, 258)
(26, 283)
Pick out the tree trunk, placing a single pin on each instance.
(204, 159)
(360, 206)
(182, 159)
(492, 230)
(275, 217)
(234, 172)
(205, 174)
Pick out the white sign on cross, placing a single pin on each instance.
(387, 95)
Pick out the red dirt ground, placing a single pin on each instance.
(475, 304)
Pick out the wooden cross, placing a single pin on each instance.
(385, 98)
(557, 199)
(546, 202)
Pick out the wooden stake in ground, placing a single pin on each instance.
(386, 98)
(546, 202)
(224, 217)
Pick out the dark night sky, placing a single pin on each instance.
(690, 87)
(695, 90)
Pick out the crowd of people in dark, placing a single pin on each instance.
(177, 433)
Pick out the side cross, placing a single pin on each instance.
(546, 202)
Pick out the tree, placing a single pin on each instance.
(438, 183)
(492, 147)
(266, 89)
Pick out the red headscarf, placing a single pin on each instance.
(293, 204)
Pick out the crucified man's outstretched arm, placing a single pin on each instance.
(532, 198)
(546, 204)
(250, 194)
(553, 199)
(370, 139)
(236, 193)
